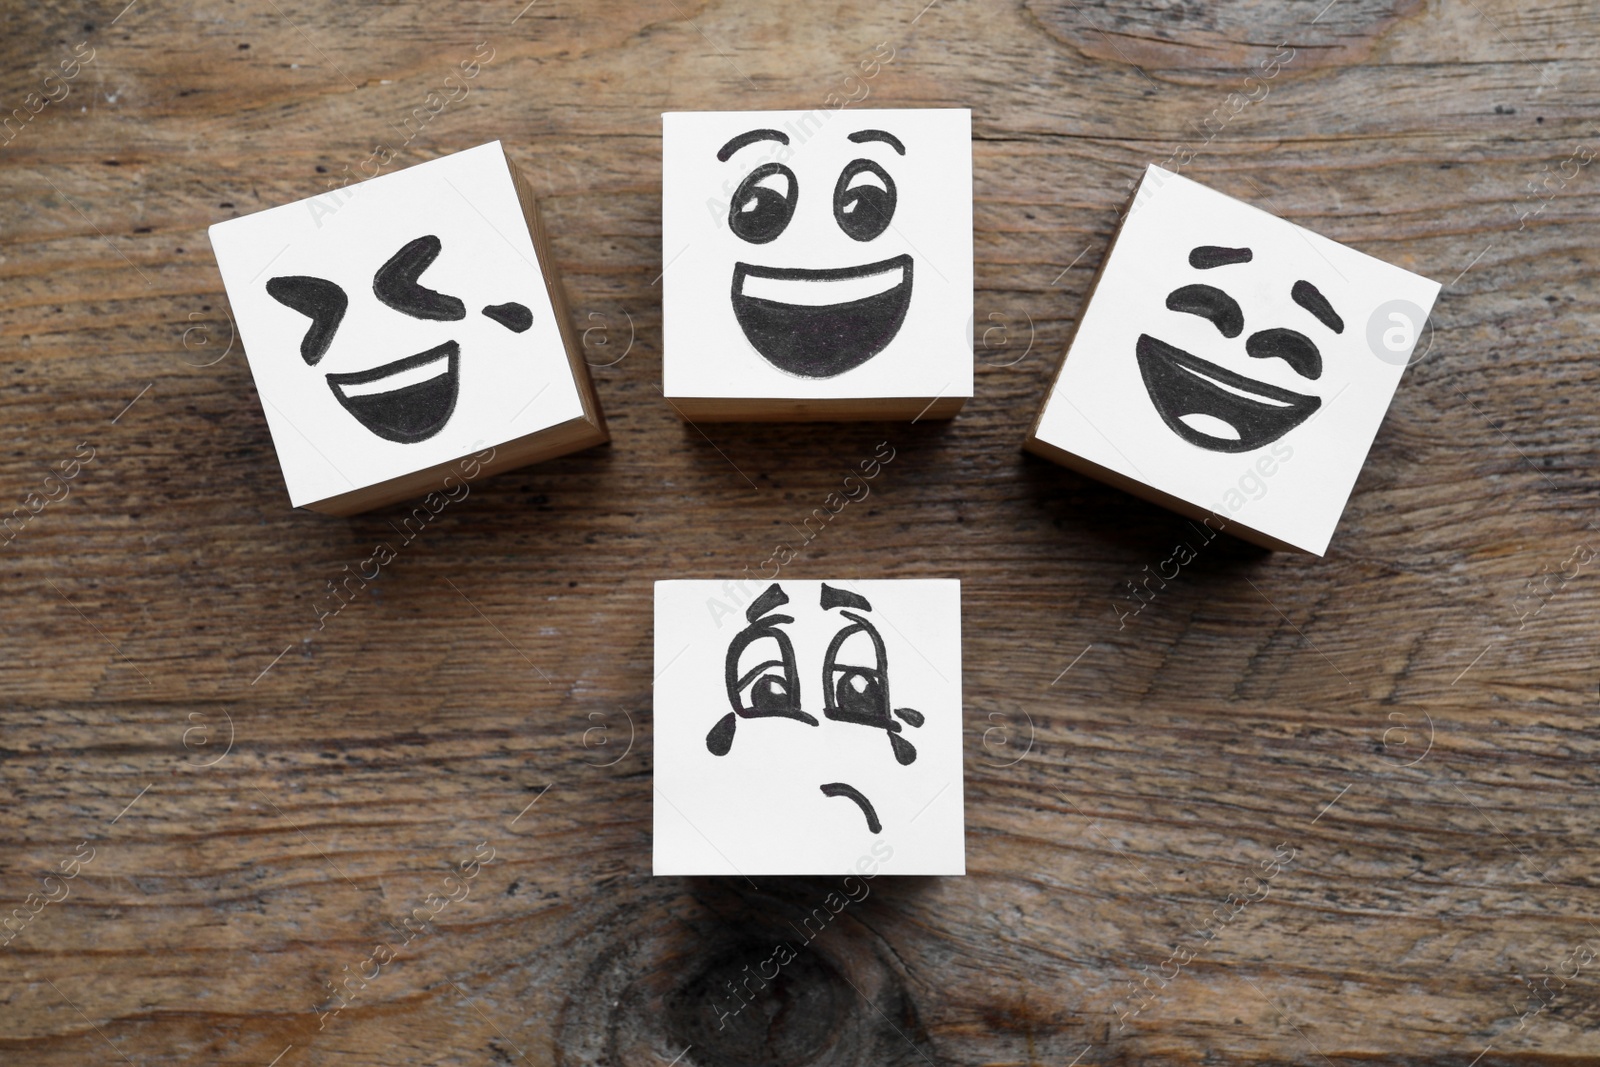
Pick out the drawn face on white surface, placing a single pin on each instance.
(763, 680)
(397, 324)
(823, 254)
(411, 398)
(818, 322)
(1221, 410)
(798, 730)
(1225, 358)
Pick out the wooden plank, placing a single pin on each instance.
(1409, 718)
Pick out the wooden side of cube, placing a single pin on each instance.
(784, 409)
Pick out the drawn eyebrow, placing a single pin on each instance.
(750, 138)
(1207, 256)
(774, 597)
(841, 598)
(1310, 297)
(862, 136)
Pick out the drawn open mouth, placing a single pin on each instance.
(1183, 386)
(408, 400)
(821, 323)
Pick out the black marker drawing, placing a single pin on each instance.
(1310, 297)
(751, 137)
(412, 412)
(839, 789)
(863, 136)
(1207, 256)
(855, 681)
(859, 693)
(514, 317)
(783, 310)
(863, 199)
(771, 687)
(1182, 385)
(823, 341)
(1291, 346)
(764, 203)
(321, 301)
(396, 284)
(421, 404)
(1209, 302)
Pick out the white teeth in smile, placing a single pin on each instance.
(1225, 387)
(821, 292)
(399, 380)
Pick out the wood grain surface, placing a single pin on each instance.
(1293, 811)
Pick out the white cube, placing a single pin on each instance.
(407, 330)
(817, 264)
(1231, 365)
(806, 727)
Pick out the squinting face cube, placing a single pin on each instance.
(1235, 362)
(800, 726)
(817, 254)
(397, 324)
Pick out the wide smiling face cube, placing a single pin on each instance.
(806, 727)
(1230, 364)
(398, 326)
(817, 264)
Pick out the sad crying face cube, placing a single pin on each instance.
(806, 727)
(406, 329)
(817, 264)
(1232, 366)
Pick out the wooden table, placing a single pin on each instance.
(1297, 810)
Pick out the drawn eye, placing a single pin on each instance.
(1209, 302)
(1291, 346)
(764, 203)
(857, 688)
(853, 676)
(767, 682)
(864, 199)
(321, 301)
(397, 287)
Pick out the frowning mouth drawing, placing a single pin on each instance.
(820, 323)
(408, 400)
